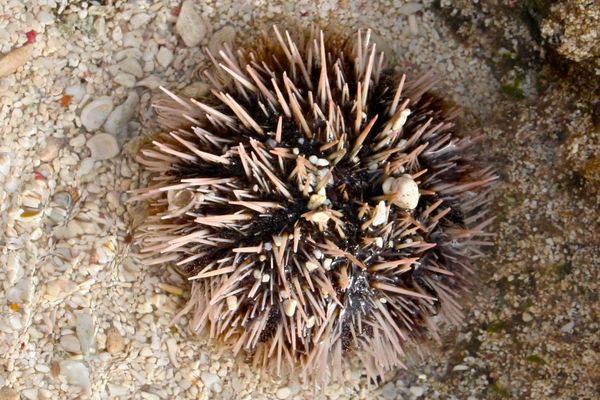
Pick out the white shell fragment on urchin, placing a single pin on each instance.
(404, 189)
(283, 195)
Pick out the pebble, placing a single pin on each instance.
(209, 380)
(103, 146)
(86, 166)
(125, 79)
(76, 374)
(526, 317)
(164, 56)
(417, 391)
(224, 35)
(190, 25)
(196, 90)
(85, 331)
(45, 17)
(59, 288)
(116, 123)
(7, 393)
(114, 341)
(70, 344)
(131, 66)
(139, 20)
(289, 307)
(11, 62)
(283, 393)
(95, 113)
(51, 150)
(410, 8)
(77, 91)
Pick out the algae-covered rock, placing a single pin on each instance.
(573, 28)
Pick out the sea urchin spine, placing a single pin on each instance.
(319, 203)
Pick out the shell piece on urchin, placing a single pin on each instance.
(320, 204)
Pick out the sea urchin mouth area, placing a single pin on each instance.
(320, 204)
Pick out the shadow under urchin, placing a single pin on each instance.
(319, 202)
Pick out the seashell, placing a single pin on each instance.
(224, 35)
(11, 62)
(405, 190)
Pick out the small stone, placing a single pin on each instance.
(76, 91)
(139, 20)
(164, 57)
(45, 17)
(51, 150)
(131, 66)
(7, 393)
(190, 25)
(410, 8)
(526, 317)
(86, 166)
(417, 391)
(84, 328)
(103, 146)
(76, 374)
(209, 380)
(568, 327)
(315, 201)
(11, 62)
(283, 393)
(95, 113)
(59, 288)
(311, 266)
(114, 341)
(150, 82)
(125, 79)
(70, 344)
(116, 122)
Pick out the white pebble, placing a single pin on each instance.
(417, 391)
(118, 119)
(51, 150)
(86, 166)
(139, 20)
(131, 66)
(125, 79)
(76, 374)
(164, 56)
(70, 344)
(410, 8)
(103, 146)
(283, 393)
(315, 201)
(209, 380)
(399, 123)
(95, 113)
(190, 25)
(12, 61)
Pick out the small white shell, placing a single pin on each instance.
(380, 215)
(289, 307)
(405, 190)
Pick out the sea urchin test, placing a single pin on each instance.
(320, 203)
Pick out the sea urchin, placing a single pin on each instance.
(319, 202)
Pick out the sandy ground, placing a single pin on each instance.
(81, 319)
